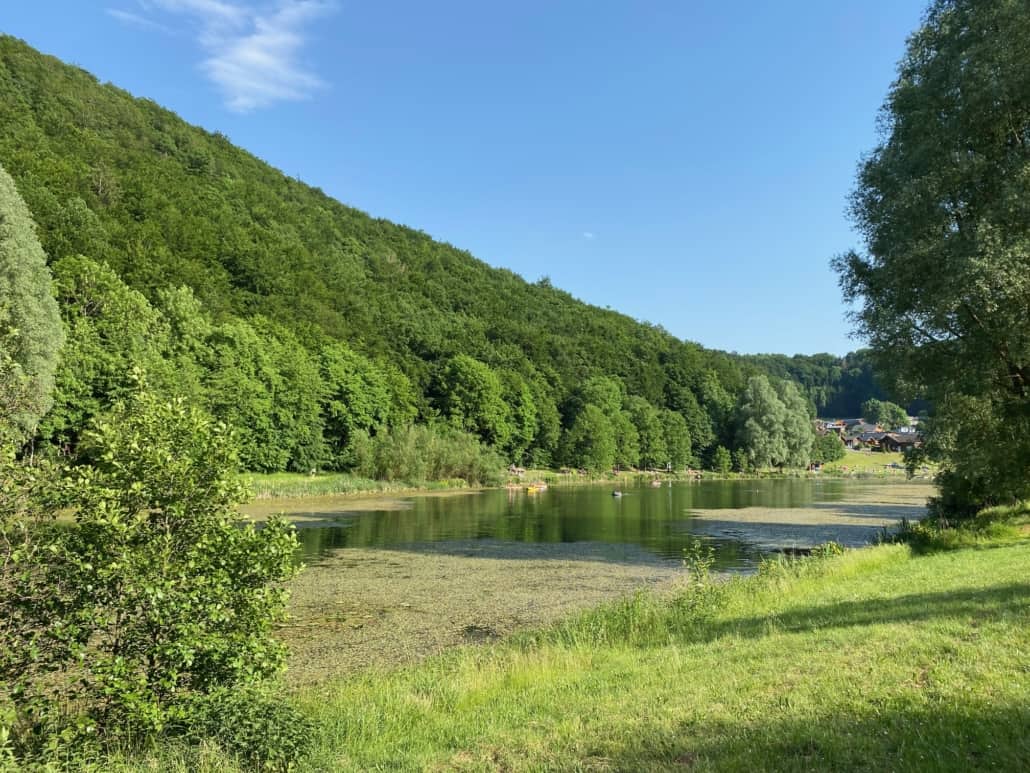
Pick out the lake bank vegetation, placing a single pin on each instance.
(911, 661)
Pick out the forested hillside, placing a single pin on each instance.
(837, 386)
(309, 326)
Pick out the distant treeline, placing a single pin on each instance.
(315, 330)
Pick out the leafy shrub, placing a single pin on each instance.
(427, 453)
(155, 594)
(257, 727)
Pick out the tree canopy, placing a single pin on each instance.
(30, 325)
(943, 284)
(317, 332)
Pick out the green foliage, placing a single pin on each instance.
(944, 285)
(256, 727)
(243, 385)
(472, 397)
(677, 439)
(210, 237)
(774, 425)
(761, 417)
(722, 462)
(827, 448)
(650, 430)
(112, 329)
(418, 453)
(231, 284)
(590, 442)
(836, 386)
(30, 326)
(887, 414)
(741, 461)
(798, 427)
(359, 401)
(523, 415)
(155, 594)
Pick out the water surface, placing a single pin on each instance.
(743, 520)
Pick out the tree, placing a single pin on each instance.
(609, 395)
(472, 396)
(523, 414)
(242, 386)
(30, 324)
(887, 414)
(722, 462)
(942, 205)
(798, 427)
(760, 433)
(827, 448)
(590, 442)
(677, 438)
(112, 329)
(156, 594)
(357, 401)
(650, 430)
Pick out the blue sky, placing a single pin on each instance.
(686, 163)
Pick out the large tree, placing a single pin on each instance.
(943, 204)
(31, 334)
(761, 416)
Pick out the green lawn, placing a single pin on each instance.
(866, 462)
(880, 659)
(884, 661)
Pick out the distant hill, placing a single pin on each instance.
(837, 386)
(167, 205)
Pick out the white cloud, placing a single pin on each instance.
(253, 52)
(135, 20)
(588, 234)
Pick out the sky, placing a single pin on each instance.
(686, 163)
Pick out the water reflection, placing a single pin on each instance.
(661, 520)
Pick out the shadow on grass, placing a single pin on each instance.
(978, 606)
(956, 737)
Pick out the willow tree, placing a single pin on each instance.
(30, 325)
(943, 205)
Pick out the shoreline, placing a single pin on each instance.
(299, 485)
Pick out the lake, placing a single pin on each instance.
(742, 519)
(392, 580)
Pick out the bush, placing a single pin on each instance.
(420, 453)
(257, 727)
(154, 595)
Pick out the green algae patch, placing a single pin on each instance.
(357, 609)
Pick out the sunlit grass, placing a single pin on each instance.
(876, 660)
(883, 658)
(288, 484)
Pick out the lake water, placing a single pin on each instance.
(743, 520)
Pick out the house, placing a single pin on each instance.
(866, 441)
(827, 427)
(900, 441)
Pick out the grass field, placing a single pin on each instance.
(883, 658)
(867, 463)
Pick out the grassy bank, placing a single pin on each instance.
(887, 657)
(289, 484)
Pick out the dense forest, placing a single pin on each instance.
(324, 336)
